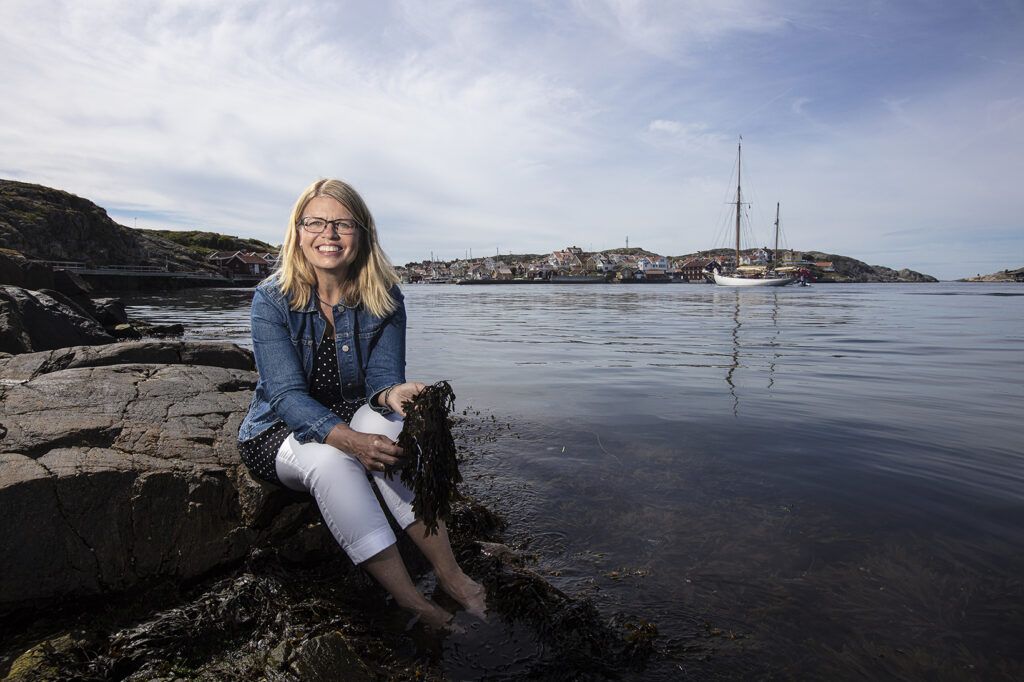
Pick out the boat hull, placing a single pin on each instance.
(726, 281)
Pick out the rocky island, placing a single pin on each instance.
(1001, 276)
(43, 224)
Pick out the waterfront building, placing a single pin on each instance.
(645, 263)
(253, 264)
(694, 268)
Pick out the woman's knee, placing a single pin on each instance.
(320, 463)
(334, 468)
(367, 420)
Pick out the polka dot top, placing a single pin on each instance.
(260, 452)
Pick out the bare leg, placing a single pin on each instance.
(389, 570)
(438, 550)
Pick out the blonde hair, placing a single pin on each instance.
(371, 276)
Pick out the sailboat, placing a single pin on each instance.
(759, 279)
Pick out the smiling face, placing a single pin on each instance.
(329, 253)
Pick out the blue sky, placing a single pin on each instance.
(889, 131)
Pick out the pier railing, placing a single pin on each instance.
(130, 270)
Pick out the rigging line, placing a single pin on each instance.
(725, 236)
(750, 114)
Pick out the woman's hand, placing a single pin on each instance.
(373, 451)
(401, 394)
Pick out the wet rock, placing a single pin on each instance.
(15, 368)
(327, 658)
(140, 330)
(43, 661)
(120, 466)
(35, 321)
(109, 311)
(275, 619)
(161, 330)
(502, 553)
(125, 332)
(81, 306)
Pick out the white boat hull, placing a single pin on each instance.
(726, 281)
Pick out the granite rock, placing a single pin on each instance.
(119, 466)
(109, 312)
(37, 321)
(17, 270)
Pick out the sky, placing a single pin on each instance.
(891, 132)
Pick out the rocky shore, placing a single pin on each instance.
(42, 309)
(138, 547)
(49, 224)
(850, 270)
(1001, 276)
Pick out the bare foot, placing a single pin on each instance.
(434, 617)
(469, 593)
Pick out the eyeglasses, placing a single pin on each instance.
(343, 226)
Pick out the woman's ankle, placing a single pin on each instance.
(470, 594)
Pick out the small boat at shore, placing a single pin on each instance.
(518, 280)
(752, 275)
(555, 279)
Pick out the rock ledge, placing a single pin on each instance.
(119, 466)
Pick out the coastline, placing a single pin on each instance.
(187, 566)
(766, 338)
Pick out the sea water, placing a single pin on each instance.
(818, 482)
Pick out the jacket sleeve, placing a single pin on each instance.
(280, 367)
(386, 365)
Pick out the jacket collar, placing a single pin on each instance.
(311, 304)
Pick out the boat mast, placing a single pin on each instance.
(775, 253)
(739, 146)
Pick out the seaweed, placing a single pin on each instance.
(431, 467)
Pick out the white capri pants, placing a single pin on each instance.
(339, 484)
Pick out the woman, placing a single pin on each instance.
(328, 333)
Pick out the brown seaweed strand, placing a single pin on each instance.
(431, 468)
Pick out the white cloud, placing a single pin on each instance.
(799, 103)
(672, 29)
(682, 136)
(473, 125)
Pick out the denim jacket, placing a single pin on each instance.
(371, 357)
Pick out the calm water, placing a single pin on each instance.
(822, 482)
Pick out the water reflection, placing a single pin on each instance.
(208, 314)
(859, 518)
(735, 356)
(746, 345)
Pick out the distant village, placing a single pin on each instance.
(626, 265)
